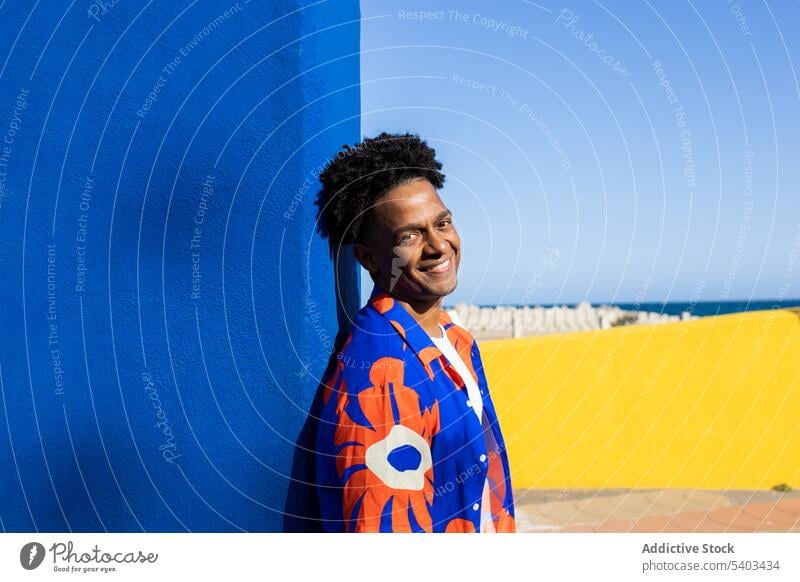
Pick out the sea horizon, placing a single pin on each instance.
(698, 308)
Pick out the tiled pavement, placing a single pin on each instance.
(656, 510)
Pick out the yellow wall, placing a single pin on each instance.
(707, 403)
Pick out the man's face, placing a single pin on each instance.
(411, 247)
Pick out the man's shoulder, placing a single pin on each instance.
(460, 332)
(371, 352)
(372, 336)
(460, 335)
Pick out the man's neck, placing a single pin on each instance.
(426, 313)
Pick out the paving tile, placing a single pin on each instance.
(660, 510)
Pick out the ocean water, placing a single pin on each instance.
(703, 308)
(699, 308)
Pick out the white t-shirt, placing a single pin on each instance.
(449, 351)
(476, 403)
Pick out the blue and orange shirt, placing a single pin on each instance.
(399, 448)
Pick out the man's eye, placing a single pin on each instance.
(407, 237)
(446, 222)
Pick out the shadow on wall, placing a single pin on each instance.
(301, 511)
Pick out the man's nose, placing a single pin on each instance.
(437, 242)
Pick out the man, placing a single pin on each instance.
(408, 437)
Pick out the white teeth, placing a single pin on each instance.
(440, 268)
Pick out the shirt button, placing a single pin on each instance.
(469, 403)
(476, 507)
(483, 458)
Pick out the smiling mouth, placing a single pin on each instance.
(442, 267)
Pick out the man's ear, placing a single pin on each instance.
(365, 256)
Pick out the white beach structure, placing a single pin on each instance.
(507, 321)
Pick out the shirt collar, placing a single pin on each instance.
(408, 328)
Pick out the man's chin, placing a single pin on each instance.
(438, 290)
(449, 289)
(423, 290)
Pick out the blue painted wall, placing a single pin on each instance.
(166, 304)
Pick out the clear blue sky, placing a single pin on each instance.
(602, 152)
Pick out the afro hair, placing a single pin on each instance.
(357, 176)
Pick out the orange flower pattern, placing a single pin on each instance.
(398, 449)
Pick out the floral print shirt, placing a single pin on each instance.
(398, 446)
